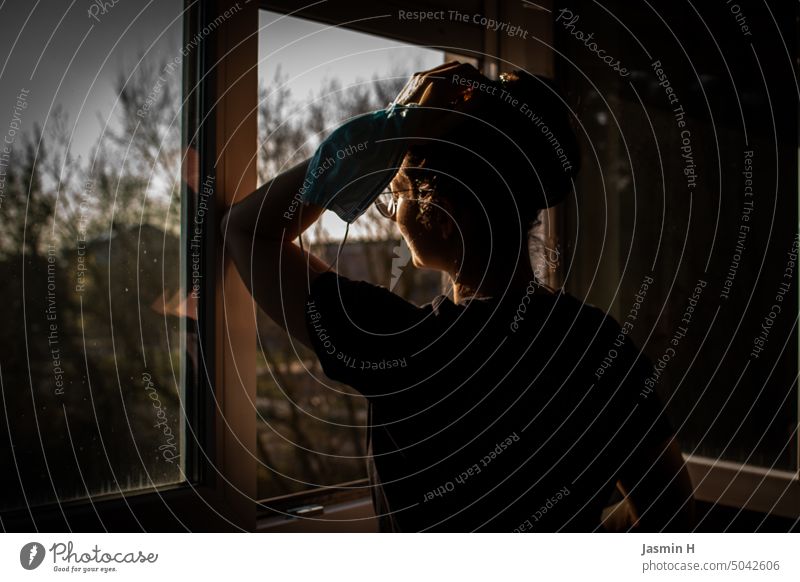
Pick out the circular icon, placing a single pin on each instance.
(31, 555)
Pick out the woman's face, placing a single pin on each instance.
(426, 236)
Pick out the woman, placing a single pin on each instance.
(488, 411)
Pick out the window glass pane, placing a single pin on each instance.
(313, 77)
(685, 221)
(90, 250)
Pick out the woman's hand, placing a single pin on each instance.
(447, 85)
(453, 86)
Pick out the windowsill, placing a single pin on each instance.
(719, 482)
(745, 486)
(348, 516)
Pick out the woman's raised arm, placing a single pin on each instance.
(273, 208)
(258, 234)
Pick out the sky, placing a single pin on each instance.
(311, 51)
(65, 58)
(308, 52)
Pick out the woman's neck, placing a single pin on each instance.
(491, 280)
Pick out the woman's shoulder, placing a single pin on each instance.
(586, 316)
(360, 296)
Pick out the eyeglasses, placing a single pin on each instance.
(386, 202)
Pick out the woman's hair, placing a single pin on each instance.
(513, 156)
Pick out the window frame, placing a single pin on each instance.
(745, 486)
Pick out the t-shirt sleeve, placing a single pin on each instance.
(363, 334)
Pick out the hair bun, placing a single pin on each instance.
(535, 117)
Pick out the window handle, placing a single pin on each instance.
(306, 510)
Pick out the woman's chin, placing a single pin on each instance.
(426, 265)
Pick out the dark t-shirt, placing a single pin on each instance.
(494, 414)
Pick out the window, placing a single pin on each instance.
(128, 131)
(313, 77)
(91, 254)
